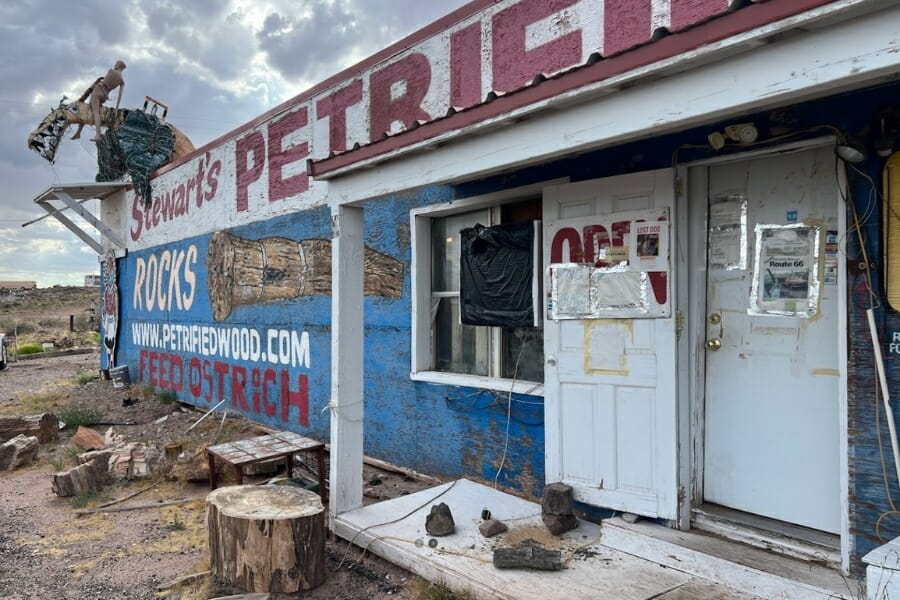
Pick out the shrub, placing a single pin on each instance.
(83, 500)
(85, 376)
(80, 416)
(30, 349)
(166, 397)
(58, 462)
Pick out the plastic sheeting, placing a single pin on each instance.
(497, 280)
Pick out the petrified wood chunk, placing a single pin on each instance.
(267, 538)
(17, 452)
(557, 509)
(45, 427)
(88, 439)
(87, 478)
(529, 555)
(557, 499)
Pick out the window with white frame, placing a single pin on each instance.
(445, 350)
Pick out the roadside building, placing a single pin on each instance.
(644, 248)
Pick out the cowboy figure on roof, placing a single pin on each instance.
(100, 92)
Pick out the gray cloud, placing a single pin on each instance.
(217, 63)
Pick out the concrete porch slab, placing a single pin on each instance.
(737, 565)
(395, 530)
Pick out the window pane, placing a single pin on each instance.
(445, 247)
(523, 353)
(459, 348)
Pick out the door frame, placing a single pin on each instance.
(691, 293)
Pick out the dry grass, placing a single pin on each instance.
(422, 589)
(42, 315)
(63, 538)
(34, 403)
(190, 534)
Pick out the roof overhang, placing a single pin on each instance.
(72, 196)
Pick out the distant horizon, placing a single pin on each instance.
(10, 283)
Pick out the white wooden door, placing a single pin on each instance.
(610, 399)
(772, 380)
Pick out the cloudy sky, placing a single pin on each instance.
(216, 63)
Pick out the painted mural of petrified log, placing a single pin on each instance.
(244, 272)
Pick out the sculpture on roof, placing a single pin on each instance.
(135, 142)
(49, 133)
(99, 93)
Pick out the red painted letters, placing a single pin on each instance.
(279, 157)
(335, 107)
(176, 202)
(584, 247)
(252, 145)
(465, 66)
(396, 93)
(252, 390)
(514, 66)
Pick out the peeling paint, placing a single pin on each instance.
(829, 372)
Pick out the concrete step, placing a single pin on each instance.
(736, 565)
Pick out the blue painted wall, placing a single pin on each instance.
(455, 431)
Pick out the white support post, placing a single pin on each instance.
(347, 252)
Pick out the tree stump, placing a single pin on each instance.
(266, 538)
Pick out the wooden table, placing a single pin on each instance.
(284, 445)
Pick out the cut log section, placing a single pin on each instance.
(266, 538)
(45, 427)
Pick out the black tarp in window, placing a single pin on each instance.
(496, 275)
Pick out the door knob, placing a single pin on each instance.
(713, 344)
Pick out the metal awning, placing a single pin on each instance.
(73, 196)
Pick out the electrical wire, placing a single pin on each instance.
(874, 302)
(391, 522)
(512, 386)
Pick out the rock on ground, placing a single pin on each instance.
(19, 451)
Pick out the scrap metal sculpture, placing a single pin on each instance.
(46, 137)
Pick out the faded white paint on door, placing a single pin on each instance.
(772, 389)
(610, 393)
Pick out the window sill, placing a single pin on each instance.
(530, 388)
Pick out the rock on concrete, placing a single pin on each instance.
(439, 521)
(559, 524)
(492, 527)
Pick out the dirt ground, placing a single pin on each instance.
(49, 551)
